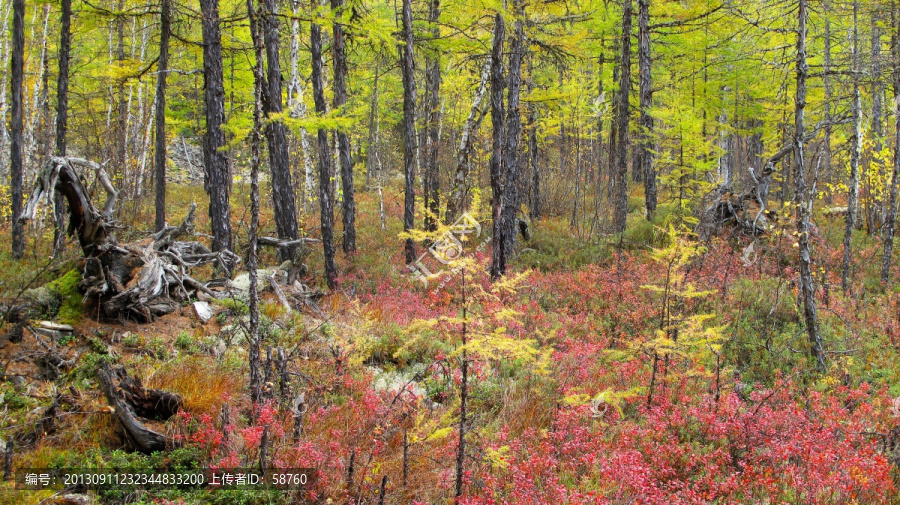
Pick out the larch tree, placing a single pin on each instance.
(802, 199)
(348, 202)
(498, 256)
(326, 202)
(430, 182)
(16, 126)
(283, 198)
(855, 155)
(216, 166)
(620, 167)
(513, 132)
(645, 145)
(165, 29)
(890, 221)
(62, 115)
(407, 65)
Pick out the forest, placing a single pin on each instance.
(433, 251)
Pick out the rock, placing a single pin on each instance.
(240, 285)
(44, 298)
(203, 297)
(204, 311)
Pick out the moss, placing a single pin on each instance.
(66, 288)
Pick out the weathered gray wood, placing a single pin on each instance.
(132, 401)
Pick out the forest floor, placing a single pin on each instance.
(643, 368)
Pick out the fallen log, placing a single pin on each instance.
(132, 401)
(141, 280)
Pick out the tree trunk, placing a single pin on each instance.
(510, 211)
(121, 154)
(163, 67)
(498, 255)
(62, 117)
(216, 166)
(372, 153)
(466, 143)
(297, 105)
(16, 126)
(431, 183)
(826, 80)
(252, 253)
(855, 154)
(285, 207)
(326, 204)
(407, 63)
(891, 219)
(620, 209)
(802, 200)
(533, 147)
(348, 202)
(645, 149)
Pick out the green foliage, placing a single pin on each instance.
(66, 288)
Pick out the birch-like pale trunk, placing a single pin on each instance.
(855, 154)
(466, 143)
(297, 105)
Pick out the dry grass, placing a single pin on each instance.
(202, 382)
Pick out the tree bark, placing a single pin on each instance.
(533, 147)
(466, 143)
(285, 207)
(855, 154)
(891, 219)
(510, 199)
(163, 68)
(498, 255)
(16, 126)
(297, 105)
(216, 166)
(348, 202)
(62, 117)
(620, 209)
(827, 85)
(326, 204)
(430, 181)
(802, 200)
(645, 149)
(252, 253)
(407, 63)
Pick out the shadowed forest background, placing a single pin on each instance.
(633, 251)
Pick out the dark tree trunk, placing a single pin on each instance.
(16, 127)
(613, 131)
(259, 81)
(533, 148)
(431, 191)
(620, 170)
(216, 166)
(163, 66)
(645, 149)
(826, 82)
(348, 202)
(121, 155)
(891, 219)
(276, 135)
(407, 63)
(62, 117)
(510, 212)
(498, 255)
(326, 204)
(802, 198)
(855, 154)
